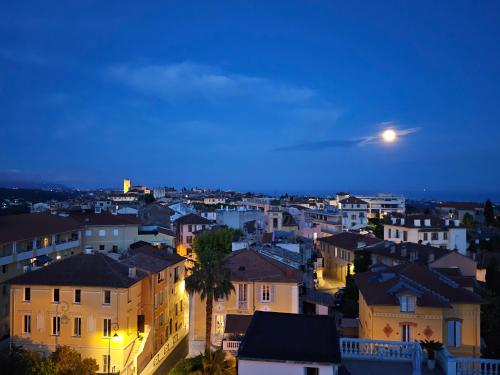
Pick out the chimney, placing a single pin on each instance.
(132, 272)
(403, 251)
(430, 258)
(416, 222)
(427, 222)
(402, 221)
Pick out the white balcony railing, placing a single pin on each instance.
(230, 346)
(465, 365)
(397, 351)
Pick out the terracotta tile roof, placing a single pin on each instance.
(350, 240)
(250, 265)
(433, 289)
(414, 251)
(104, 219)
(96, 270)
(27, 226)
(192, 219)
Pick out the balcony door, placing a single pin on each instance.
(242, 296)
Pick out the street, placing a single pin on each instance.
(179, 353)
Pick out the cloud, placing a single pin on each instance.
(346, 143)
(189, 79)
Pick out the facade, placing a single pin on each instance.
(354, 213)
(382, 204)
(106, 232)
(186, 226)
(457, 210)
(338, 252)
(426, 229)
(278, 343)
(412, 302)
(261, 284)
(88, 302)
(29, 241)
(323, 223)
(214, 200)
(237, 218)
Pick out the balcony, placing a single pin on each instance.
(230, 345)
(242, 305)
(67, 245)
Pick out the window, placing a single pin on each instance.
(405, 236)
(454, 333)
(78, 295)
(161, 276)
(397, 233)
(27, 324)
(77, 327)
(311, 371)
(445, 235)
(405, 332)
(27, 294)
(55, 295)
(106, 329)
(114, 249)
(265, 293)
(115, 232)
(176, 310)
(88, 233)
(389, 233)
(434, 236)
(102, 232)
(5, 268)
(426, 236)
(106, 365)
(107, 297)
(101, 247)
(242, 296)
(56, 325)
(407, 303)
(275, 222)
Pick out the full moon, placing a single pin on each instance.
(389, 135)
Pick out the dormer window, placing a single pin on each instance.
(407, 303)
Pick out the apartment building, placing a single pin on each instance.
(29, 241)
(89, 302)
(426, 229)
(108, 232)
(412, 302)
(354, 213)
(261, 284)
(323, 223)
(383, 204)
(280, 220)
(185, 227)
(457, 210)
(164, 302)
(338, 252)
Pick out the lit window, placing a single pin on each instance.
(115, 232)
(106, 328)
(88, 233)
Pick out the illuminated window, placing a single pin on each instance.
(106, 330)
(102, 232)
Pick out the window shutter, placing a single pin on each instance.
(258, 293)
(458, 333)
(273, 293)
(91, 324)
(451, 333)
(411, 303)
(40, 322)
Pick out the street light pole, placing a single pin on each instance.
(109, 354)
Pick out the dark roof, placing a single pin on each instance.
(27, 226)
(81, 270)
(409, 221)
(288, 220)
(352, 200)
(237, 323)
(432, 288)
(415, 252)
(461, 205)
(291, 337)
(250, 265)
(192, 219)
(166, 231)
(146, 262)
(105, 218)
(350, 240)
(161, 254)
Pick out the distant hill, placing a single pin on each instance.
(37, 195)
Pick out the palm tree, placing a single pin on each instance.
(211, 279)
(215, 363)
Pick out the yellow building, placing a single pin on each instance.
(29, 241)
(338, 253)
(412, 302)
(88, 302)
(126, 185)
(261, 283)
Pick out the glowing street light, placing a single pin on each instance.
(389, 135)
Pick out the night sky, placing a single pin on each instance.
(270, 95)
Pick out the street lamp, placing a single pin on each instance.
(115, 338)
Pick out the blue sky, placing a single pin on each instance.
(273, 96)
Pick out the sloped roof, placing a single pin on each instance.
(352, 200)
(105, 218)
(350, 240)
(27, 226)
(96, 270)
(160, 254)
(291, 337)
(250, 265)
(192, 219)
(421, 253)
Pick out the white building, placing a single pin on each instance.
(237, 217)
(427, 230)
(354, 213)
(383, 204)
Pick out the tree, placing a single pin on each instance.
(218, 241)
(210, 278)
(468, 221)
(489, 213)
(215, 363)
(493, 277)
(362, 261)
(69, 362)
(149, 198)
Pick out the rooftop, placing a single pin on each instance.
(350, 240)
(192, 219)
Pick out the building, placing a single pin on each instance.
(354, 213)
(126, 185)
(186, 226)
(89, 302)
(338, 252)
(163, 298)
(214, 200)
(412, 302)
(457, 210)
(291, 344)
(383, 204)
(261, 284)
(107, 232)
(426, 229)
(157, 236)
(29, 241)
(323, 222)
(236, 218)
(156, 214)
